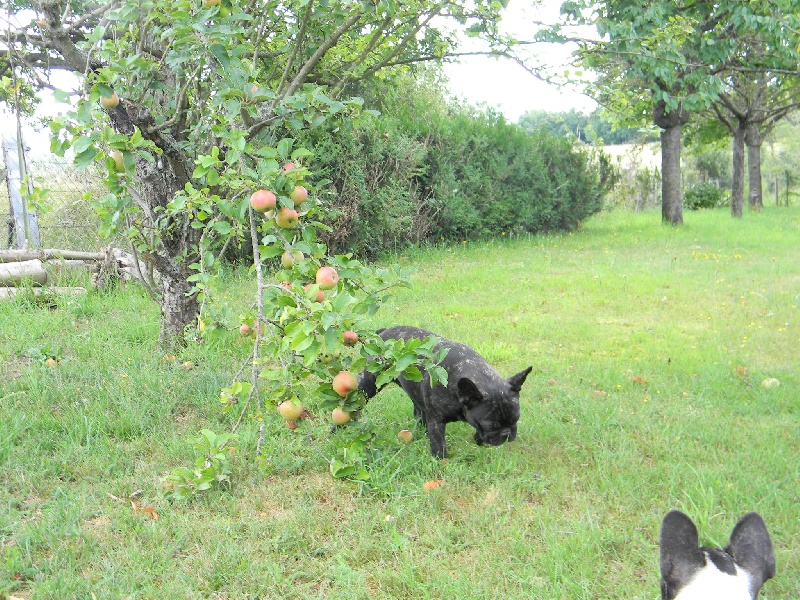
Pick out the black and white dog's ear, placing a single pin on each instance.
(751, 548)
(468, 393)
(516, 381)
(681, 556)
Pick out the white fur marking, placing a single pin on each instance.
(712, 584)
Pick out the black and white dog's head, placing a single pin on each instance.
(691, 572)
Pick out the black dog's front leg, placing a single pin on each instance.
(436, 437)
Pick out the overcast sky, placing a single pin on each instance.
(505, 85)
(499, 83)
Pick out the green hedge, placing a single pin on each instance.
(428, 171)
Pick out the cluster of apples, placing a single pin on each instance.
(343, 383)
(263, 201)
(110, 103)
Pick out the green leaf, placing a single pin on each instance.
(85, 158)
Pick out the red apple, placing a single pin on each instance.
(289, 166)
(245, 329)
(344, 383)
(289, 259)
(349, 338)
(405, 436)
(109, 102)
(289, 410)
(263, 200)
(119, 161)
(340, 416)
(319, 296)
(287, 218)
(327, 278)
(286, 285)
(298, 195)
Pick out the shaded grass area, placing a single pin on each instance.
(649, 347)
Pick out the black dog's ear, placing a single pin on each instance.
(751, 548)
(468, 394)
(681, 556)
(516, 381)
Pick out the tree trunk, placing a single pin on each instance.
(154, 185)
(671, 197)
(178, 309)
(753, 140)
(737, 186)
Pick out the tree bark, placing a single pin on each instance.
(737, 186)
(154, 185)
(671, 124)
(753, 139)
(179, 309)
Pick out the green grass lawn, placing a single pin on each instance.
(649, 346)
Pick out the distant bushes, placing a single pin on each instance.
(427, 170)
(704, 195)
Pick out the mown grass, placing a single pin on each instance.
(649, 346)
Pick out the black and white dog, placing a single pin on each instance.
(475, 393)
(692, 572)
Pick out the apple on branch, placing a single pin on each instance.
(319, 296)
(340, 416)
(287, 218)
(263, 200)
(109, 102)
(344, 383)
(327, 278)
(298, 195)
(289, 259)
(289, 410)
(349, 338)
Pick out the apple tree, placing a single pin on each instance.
(193, 107)
(191, 104)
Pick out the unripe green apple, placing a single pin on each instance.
(289, 259)
(287, 218)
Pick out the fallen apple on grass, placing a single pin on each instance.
(405, 436)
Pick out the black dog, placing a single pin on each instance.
(691, 572)
(475, 393)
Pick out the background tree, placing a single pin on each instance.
(749, 108)
(202, 99)
(664, 61)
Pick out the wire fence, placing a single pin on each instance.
(66, 219)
